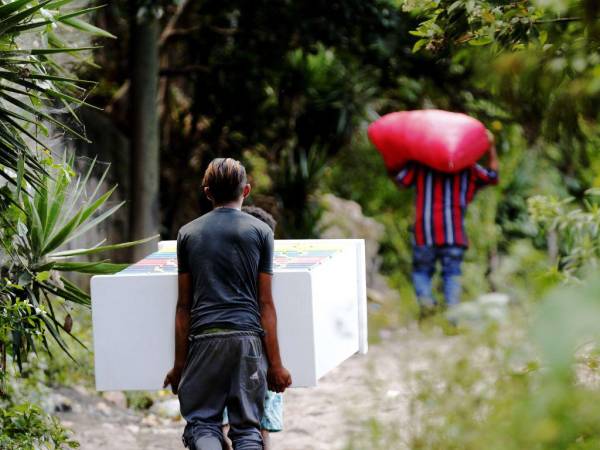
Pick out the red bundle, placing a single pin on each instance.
(442, 140)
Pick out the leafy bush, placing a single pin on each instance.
(533, 384)
(44, 205)
(575, 229)
(28, 427)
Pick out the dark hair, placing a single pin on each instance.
(262, 215)
(225, 179)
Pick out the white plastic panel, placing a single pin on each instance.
(292, 294)
(134, 330)
(319, 294)
(334, 293)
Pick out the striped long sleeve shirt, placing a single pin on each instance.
(441, 201)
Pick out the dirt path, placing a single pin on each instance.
(322, 418)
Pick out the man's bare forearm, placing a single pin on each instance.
(270, 341)
(182, 331)
(493, 159)
(278, 377)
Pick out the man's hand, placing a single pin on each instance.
(173, 378)
(491, 138)
(278, 378)
(182, 330)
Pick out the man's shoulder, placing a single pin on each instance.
(193, 225)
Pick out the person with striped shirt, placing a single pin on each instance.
(441, 203)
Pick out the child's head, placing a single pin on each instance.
(262, 215)
(225, 181)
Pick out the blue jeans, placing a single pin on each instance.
(424, 261)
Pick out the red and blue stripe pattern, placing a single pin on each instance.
(442, 200)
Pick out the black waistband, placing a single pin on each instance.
(224, 334)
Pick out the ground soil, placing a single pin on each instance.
(328, 417)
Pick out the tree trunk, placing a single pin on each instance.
(145, 156)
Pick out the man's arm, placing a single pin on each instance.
(182, 330)
(404, 176)
(493, 162)
(278, 376)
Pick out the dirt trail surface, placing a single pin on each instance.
(321, 418)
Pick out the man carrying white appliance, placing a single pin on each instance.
(226, 327)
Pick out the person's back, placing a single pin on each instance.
(224, 251)
(441, 201)
(226, 345)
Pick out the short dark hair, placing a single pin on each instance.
(262, 215)
(225, 179)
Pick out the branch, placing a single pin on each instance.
(121, 92)
(224, 31)
(179, 32)
(560, 19)
(170, 27)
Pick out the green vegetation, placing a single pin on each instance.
(44, 205)
(28, 427)
(530, 382)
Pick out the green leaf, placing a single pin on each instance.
(480, 41)
(11, 7)
(80, 187)
(8, 24)
(419, 45)
(50, 51)
(87, 28)
(58, 18)
(64, 234)
(48, 117)
(91, 251)
(96, 268)
(20, 175)
(18, 77)
(55, 333)
(58, 238)
(75, 290)
(58, 3)
(36, 230)
(57, 201)
(88, 226)
(79, 102)
(67, 294)
(42, 276)
(41, 205)
(20, 128)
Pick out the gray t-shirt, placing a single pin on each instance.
(224, 251)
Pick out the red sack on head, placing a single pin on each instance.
(442, 140)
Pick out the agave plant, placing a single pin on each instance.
(42, 206)
(35, 82)
(33, 228)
